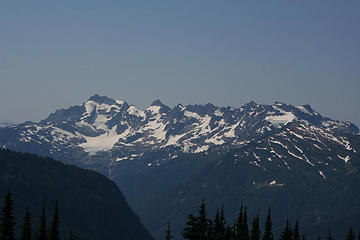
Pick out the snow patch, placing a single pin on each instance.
(120, 159)
(100, 122)
(103, 142)
(256, 156)
(205, 127)
(154, 109)
(136, 112)
(299, 149)
(201, 149)
(191, 115)
(295, 134)
(304, 110)
(173, 140)
(279, 143)
(273, 151)
(90, 106)
(345, 159)
(294, 155)
(280, 120)
(315, 145)
(274, 183)
(120, 102)
(217, 140)
(157, 128)
(218, 113)
(231, 132)
(62, 132)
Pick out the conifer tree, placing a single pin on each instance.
(239, 223)
(217, 226)
(191, 230)
(54, 230)
(255, 229)
(350, 235)
(222, 223)
(245, 227)
(234, 231)
(210, 233)
(42, 225)
(287, 234)
(330, 237)
(7, 219)
(228, 233)
(168, 232)
(202, 221)
(359, 237)
(296, 231)
(26, 227)
(268, 235)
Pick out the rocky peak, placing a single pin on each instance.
(157, 102)
(102, 100)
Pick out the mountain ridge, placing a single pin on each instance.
(162, 155)
(90, 204)
(88, 123)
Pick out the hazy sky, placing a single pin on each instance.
(54, 54)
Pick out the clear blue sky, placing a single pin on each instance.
(55, 54)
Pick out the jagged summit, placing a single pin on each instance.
(105, 124)
(158, 106)
(251, 104)
(307, 109)
(100, 99)
(157, 102)
(105, 100)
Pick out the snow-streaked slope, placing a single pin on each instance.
(102, 124)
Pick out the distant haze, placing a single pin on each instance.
(54, 54)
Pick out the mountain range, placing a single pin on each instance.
(165, 160)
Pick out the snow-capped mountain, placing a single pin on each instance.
(166, 159)
(104, 124)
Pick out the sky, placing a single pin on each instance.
(55, 54)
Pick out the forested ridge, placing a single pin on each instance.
(89, 204)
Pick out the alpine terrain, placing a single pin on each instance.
(165, 160)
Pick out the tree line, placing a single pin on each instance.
(201, 227)
(7, 224)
